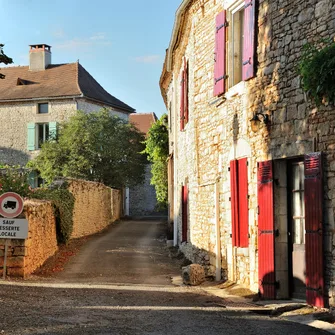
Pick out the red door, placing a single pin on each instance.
(314, 230)
(266, 233)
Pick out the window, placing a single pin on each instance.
(38, 133)
(234, 45)
(239, 202)
(43, 108)
(42, 133)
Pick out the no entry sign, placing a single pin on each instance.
(11, 205)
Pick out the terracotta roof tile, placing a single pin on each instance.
(143, 121)
(62, 80)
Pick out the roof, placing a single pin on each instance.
(143, 121)
(57, 80)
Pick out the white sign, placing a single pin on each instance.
(13, 228)
(11, 205)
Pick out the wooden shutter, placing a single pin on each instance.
(182, 99)
(31, 136)
(248, 59)
(52, 130)
(266, 233)
(314, 230)
(184, 212)
(243, 215)
(220, 54)
(234, 202)
(185, 91)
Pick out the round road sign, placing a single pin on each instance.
(11, 205)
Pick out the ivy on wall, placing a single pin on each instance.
(317, 70)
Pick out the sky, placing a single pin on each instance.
(121, 43)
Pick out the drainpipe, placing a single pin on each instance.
(217, 231)
(126, 209)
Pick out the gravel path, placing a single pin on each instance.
(120, 283)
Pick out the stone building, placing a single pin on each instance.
(34, 98)
(252, 160)
(142, 198)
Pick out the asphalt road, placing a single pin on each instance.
(120, 283)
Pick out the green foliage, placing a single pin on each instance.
(94, 146)
(14, 179)
(157, 149)
(63, 202)
(4, 59)
(317, 69)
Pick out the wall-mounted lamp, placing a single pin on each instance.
(256, 119)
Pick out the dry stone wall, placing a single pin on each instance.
(25, 256)
(95, 207)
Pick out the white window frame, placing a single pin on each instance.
(45, 133)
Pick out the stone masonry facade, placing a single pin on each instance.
(219, 130)
(16, 116)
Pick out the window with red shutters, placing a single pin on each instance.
(239, 202)
(234, 45)
(184, 96)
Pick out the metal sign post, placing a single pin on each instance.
(5, 260)
(11, 205)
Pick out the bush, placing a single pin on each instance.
(63, 202)
(14, 179)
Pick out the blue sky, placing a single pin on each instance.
(121, 43)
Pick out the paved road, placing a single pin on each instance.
(120, 284)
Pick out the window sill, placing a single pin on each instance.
(238, 89)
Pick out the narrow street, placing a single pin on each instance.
(120, 283)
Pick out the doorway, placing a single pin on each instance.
(296, 229)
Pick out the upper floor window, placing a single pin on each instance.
(42, 133)
(38, 133)
(234, 45)
(43, 108)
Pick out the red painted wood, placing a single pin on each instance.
(234, 202)
(248, 66)
(182, 101)
(220, 54)
(243, 215)
(266, 240)
(185, 91)
(184, 212)
(314, 230)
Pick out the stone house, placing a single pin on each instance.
(34, 98)
(142, 198)
(252, 160)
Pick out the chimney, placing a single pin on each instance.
(39, 57)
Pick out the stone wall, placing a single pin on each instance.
(219, 130)
(25, 256)
(142, 198)
(96, 206)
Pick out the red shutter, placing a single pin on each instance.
(234, 202)
(314, 233)
(243, 215)
(248, 66)
(184, 212)
(220, 54)
(266, 240)
(186, 90)
(182, 99)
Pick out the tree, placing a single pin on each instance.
(157, 149)
(94, 146)
(4, 59)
